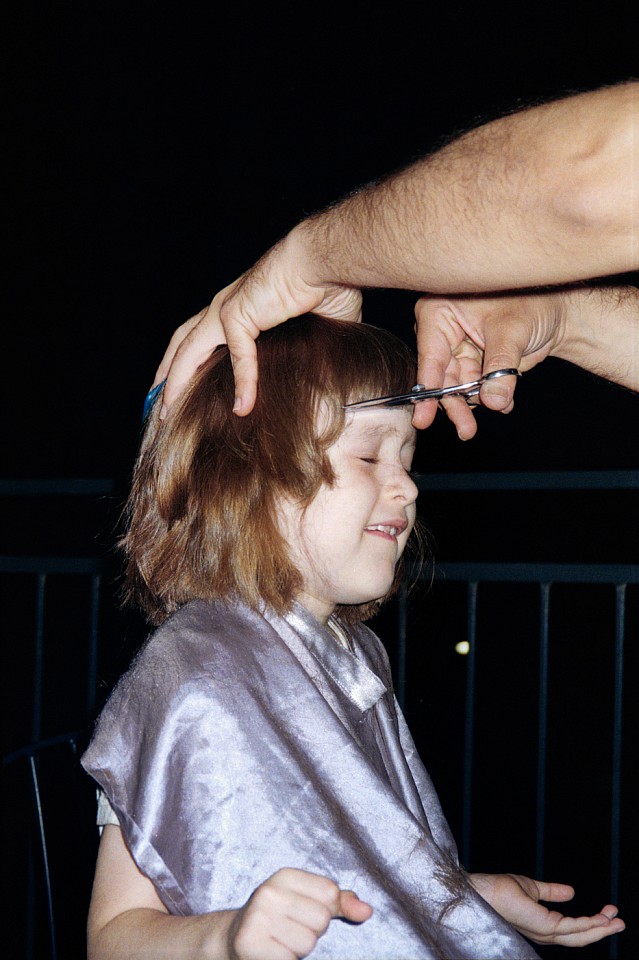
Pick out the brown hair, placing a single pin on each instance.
(202, 514)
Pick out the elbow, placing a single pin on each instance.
(594, 198)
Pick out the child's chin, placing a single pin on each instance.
(373, 596)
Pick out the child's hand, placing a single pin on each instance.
(517, 900)
(288, 913)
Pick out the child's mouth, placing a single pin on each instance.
(388, 531)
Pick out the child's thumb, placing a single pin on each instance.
(352, 908)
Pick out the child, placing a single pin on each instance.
(256, 765)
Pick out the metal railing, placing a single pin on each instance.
(545, 576)
(473, 575)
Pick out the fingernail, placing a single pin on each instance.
(237, 405)
(163, 411)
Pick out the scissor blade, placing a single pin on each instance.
(396, 400)
(467, 390)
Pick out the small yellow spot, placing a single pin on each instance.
(462, 647)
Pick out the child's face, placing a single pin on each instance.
(348, 541)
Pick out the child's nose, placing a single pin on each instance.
(403, 486)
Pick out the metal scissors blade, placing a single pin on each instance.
(419, 392)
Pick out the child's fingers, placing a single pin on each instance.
(610, 911)
(554, 892)
(323, 893)
(296, 937)
(352, 908)
(585, 930)
(576, 931)
(288, 914)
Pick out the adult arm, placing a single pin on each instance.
(549, 195)
(282, 920)
(516, 899)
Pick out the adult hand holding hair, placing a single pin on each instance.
(263, 297)
(548, 195)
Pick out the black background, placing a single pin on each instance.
(156, 151)
(159, 149)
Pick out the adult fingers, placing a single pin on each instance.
(174, 343)
(461, 415)
(254, 308)
(198, 344)
(505, 344)
(438, 337)
(243, 351)
(446, 355)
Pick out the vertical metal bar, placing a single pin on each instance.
(469, 744)
(45, 858)
(542, 729)
(92, 670)
(402, 624)
(30, 910)
(615, 802)
(36, 717)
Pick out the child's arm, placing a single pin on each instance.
(517, 899)
(282, 920)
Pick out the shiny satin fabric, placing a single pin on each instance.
(239, 743)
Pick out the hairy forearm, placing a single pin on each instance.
(144, 934)
(601, 333)
(548, 195)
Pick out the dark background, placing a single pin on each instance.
(156, 151)
(159, 149)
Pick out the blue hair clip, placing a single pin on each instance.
(151, 397)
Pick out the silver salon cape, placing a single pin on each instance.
(239, 743)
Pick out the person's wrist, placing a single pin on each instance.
(303, 250)
(219, 936)
(601, 333)
(584, 326)
(568, 332)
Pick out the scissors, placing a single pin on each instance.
(419, 392)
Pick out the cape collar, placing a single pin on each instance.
(357, 681)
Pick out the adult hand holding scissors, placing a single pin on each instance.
(468, 338)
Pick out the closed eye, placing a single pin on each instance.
(369, 459)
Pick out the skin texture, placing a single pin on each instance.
(513, 204)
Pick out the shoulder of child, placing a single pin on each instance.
(200, 644)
